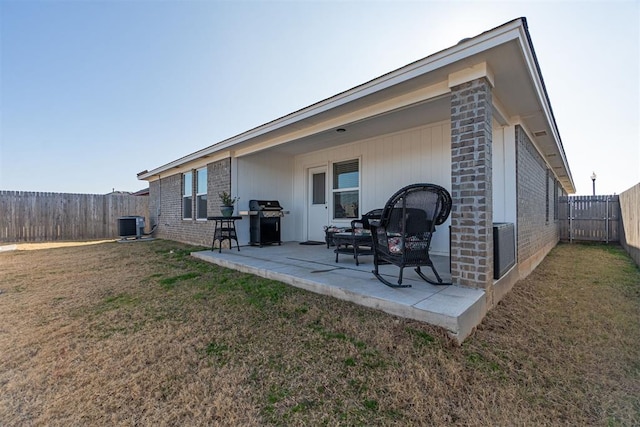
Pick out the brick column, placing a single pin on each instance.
(472, 213)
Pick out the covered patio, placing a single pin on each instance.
(458, 309)
(474, 119)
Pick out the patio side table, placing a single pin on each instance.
(353, 244)
(224, 229)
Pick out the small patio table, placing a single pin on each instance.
(224, 229)
(353, 244)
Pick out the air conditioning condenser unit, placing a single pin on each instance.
(131, 227)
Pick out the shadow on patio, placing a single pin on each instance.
(457, 309)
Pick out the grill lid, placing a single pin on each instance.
(264, 205)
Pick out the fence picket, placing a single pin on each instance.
(590, 218)
(37, 217)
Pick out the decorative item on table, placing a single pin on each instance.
(227, 203)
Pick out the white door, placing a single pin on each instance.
(317, 208)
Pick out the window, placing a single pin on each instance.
(556, 201)
(201, 193)
(187, 195)
(546, 196)
(346, 189)
(319, 194)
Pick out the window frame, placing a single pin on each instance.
(556, 200)
(201, 194)
(187, 194)
(547, 196)
(336, 191)
(319, 188)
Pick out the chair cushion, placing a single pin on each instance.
(335, 229)
(361, 231)
(414, 243)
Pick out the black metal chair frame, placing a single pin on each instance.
(402, 236)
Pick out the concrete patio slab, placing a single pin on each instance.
(457, 309)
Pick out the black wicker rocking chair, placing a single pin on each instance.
(402, 236)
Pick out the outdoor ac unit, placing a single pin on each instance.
(131, 226)
(504, 250)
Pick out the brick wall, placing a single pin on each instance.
(165, 205)
(471, 178)
(535, 191)
(218, 180)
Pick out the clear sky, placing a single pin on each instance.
(93, 92)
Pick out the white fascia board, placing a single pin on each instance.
(433, 62)
(485, 41)
(531, 61)
(474, 72)
(193, 161)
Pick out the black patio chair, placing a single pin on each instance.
(402, 236)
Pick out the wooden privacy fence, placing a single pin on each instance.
(630, 221)
(589, 218)
(37, 217)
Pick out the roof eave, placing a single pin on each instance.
(432, 62)
(515, 29)
(541, 89)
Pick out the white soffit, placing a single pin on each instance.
(421, 68)
(428, 78)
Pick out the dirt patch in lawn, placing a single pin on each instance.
(50, 245)
(144, 334)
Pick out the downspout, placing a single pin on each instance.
(159, 208)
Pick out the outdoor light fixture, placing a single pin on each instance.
(340, 130)
(593, 179)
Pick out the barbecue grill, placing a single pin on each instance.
(264, 222)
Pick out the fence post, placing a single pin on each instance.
(570, 202)
(606, 221)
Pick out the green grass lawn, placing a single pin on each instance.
(144, 334)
